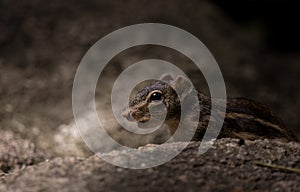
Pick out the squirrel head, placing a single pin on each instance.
(156, 99)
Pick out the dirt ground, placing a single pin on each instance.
(41, 45)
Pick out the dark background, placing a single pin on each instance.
(256, 44)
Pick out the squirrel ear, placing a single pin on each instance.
(182, 86)
(166, 77)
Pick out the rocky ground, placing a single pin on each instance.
(41, 45)
(231, 165)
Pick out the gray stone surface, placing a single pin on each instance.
(17, 153)
(229, 166)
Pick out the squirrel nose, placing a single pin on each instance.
(127, 114)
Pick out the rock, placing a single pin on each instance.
(227, 166)
(17, 153)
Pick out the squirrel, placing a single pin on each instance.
(244, 119)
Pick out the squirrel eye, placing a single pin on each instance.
(155, 96)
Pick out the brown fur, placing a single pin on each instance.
(244, 118)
